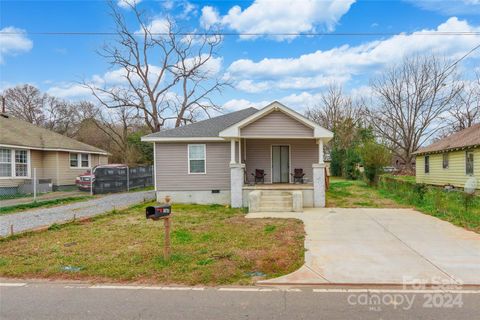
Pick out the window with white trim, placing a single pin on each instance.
(21, 163)
(5, 163)
(196, 158)
(79, 160)
(14, 163)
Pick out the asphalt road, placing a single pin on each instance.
(83, 301)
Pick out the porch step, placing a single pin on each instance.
(276, 201)
(273, 203)
(276, 209)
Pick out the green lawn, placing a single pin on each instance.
(356, 194)
(210, 245)
(42, 204)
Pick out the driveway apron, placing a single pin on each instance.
(382, 246)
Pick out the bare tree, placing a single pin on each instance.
(117, 124)
(410, 98)
(26, 102)
(466, 112)
(338, 112)
(167, 76)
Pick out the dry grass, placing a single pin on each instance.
(356, 194)
(210, 245)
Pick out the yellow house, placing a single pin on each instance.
(452, 160)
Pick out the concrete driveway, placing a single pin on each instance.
(382, 246)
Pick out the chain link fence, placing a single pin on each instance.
(23, 190)
(105, 180)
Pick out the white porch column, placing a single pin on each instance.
(239, 150)
(319, 178)
(232, 151)
(320, 151)
(236, 177)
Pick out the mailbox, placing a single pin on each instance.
(158, 212)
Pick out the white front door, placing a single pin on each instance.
(280, 164)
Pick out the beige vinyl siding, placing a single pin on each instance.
(67, 175)
(50, 166)
(276, 123)
(53, 165)
(454, 174)
(171, 166)
(303, 153)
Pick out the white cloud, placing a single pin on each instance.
(288, 16)
(209, 17)
(315, 70)
(70, 91)
(455, 7)
(238, 104)
(126, 4)
(13, 41)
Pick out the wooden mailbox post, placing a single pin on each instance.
(163, 212)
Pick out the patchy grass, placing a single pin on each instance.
(356, 194)
(454, 206)
(211, 245)
(141, 189)
(42, 204)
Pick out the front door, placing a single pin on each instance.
(280, 164)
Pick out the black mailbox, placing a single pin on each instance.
(158, 212)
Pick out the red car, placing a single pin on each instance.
(84, 180)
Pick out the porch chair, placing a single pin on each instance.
(259, 175)
(298, 175)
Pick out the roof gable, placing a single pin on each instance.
(18, 133)
(276, 123)
(235, 129)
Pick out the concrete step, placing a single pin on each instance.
(275, 197)
(275, 193)
(276, 209)
(278, 199)
(275, 202)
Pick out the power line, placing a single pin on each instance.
(252, 34)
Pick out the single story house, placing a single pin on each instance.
(221, 160)
(452, 160)
(57, 159)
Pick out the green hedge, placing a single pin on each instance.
(454, 206)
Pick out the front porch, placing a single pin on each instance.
(280, 189)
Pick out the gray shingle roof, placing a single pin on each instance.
(206, 128)
(17, 132)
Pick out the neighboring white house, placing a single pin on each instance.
(217, 160)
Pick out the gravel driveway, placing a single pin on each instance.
(36, 218)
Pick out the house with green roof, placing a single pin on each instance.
(56, 159)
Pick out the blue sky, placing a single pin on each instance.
(293, 70)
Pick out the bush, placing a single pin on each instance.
(374, 157)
